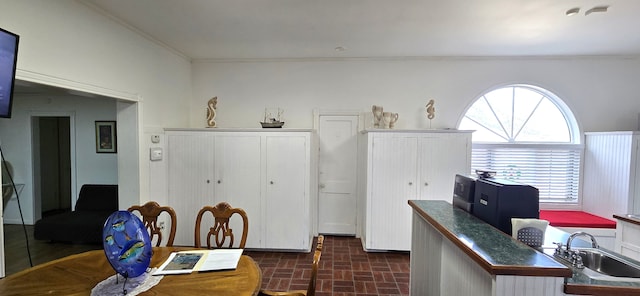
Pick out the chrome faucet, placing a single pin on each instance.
(574, 257)
(594, 244)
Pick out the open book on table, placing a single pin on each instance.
(200, 260)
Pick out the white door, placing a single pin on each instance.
(337, 174)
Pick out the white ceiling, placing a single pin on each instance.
(246, 29)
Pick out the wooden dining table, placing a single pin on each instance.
(78, 274)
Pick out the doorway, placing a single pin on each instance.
(52, 165)
(337, 173)
(128, 156)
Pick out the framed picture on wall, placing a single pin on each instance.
(106, 137)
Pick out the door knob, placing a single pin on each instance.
(322, 186)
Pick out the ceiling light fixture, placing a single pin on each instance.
(602, 8)
(572, 11)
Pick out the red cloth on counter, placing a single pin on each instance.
(575, 219)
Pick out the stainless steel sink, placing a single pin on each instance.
(609, 264)
(596, 263)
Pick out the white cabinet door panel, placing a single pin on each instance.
(286, 187)
(190, 164)
(442, 157)
(238, 180)
(394, 181)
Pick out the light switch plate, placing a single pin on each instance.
(155, 154)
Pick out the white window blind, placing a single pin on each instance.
(554, 169)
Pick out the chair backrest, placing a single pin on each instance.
(320, 242)
(311, 289)
(150, 212)
(531, 236)
(529, 230)
(221, 230)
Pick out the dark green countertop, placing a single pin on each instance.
(493, 250)
(500, 254)
(630, 218)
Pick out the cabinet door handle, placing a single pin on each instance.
(219, 181)
(426, 184)
(271, 182)
(410, 183)
(208, 181)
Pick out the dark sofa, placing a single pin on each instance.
(94, 205)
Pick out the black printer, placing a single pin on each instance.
(496, 201)
(463, 192)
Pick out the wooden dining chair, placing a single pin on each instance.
(311, 288)
(320, 242)
(150, 212)
(221, 229)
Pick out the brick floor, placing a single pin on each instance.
(345, 269)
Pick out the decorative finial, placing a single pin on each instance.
(377, 115)
(211, 112)
(431, 111)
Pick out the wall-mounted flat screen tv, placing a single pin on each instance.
(8, 61)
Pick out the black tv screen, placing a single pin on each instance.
(8, 61)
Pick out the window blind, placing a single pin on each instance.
(553, 169)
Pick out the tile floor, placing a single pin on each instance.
(345, 269)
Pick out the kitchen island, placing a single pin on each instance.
(455, 253)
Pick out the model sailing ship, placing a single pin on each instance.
(271, 121)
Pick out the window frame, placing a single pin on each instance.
(575, 143)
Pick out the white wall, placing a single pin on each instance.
(71, 44)
(66, 43)
(602, 92)
(90, 167)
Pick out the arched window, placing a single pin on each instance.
(527, 134)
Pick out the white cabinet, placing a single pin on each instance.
(287, 191)
(611, 178)
(628, 236)
(397, 166)
(267, 173)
